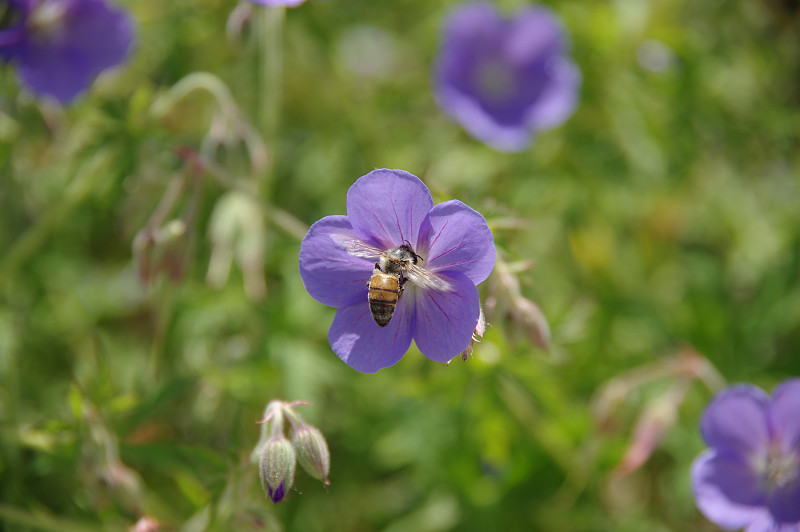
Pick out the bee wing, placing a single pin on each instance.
(356, 247)
(426, 279)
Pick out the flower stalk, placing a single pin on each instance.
(270, 40)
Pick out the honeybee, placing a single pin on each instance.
(394, 267)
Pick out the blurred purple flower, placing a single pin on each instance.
(385, 210)
(60, 46)
(750, 477)
(503, 79)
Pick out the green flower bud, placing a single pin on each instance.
(276, 467)
(312, 451)
(271, 425)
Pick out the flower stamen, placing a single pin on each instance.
(781, 469)
(47, 18)
(494, 79)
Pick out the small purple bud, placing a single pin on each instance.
(313, 452)
(276, 467)
(276, 495)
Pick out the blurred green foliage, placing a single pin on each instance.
(663, 218)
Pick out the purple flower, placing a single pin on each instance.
(60, 46)
(503, 79)
(750, 476)
(392, 211)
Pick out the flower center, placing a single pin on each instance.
(47, 17)
(781, 469)
(494, 79)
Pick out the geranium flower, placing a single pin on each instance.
(60, 46)
(439, 305)
(750, 476)
(503, 79)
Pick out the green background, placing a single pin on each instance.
(658, 231)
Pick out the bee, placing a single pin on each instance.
(394, 267)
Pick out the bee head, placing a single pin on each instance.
(408, 252)
(403, 254)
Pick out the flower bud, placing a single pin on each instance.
(271, 425)
(313, 452)
(276, 467)
(237, 232)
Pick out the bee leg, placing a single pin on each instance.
(377, 267)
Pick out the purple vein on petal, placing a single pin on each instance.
(438, 234)
(397, 220)
(447, 316)
(428, 319)
(411, 217)
(385, 232)
(397, 331)
(445, 323)
(456, 246)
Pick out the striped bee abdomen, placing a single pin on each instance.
(384, 292)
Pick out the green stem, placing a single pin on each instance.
(163, 309)
(190, 83)
(41, 520)
(87, 177)
(294, 418)
(270, 83)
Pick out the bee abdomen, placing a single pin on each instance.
(382, 312)
(384, 291)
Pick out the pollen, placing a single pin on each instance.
(781, 469)
(495, 80)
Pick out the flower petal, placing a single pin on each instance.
(276, 495)
(784, 415)
(536, 43)
(470, 20)
(736, 421)
(766, 523)
(387, 207)
(474, 33)
(468, 112)
(533, 33)
(91, 38)
(784, 503)
(329, 273)
(362, 344)
(445, 320)
(559, 97)
(459, 240)
(714, 481)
